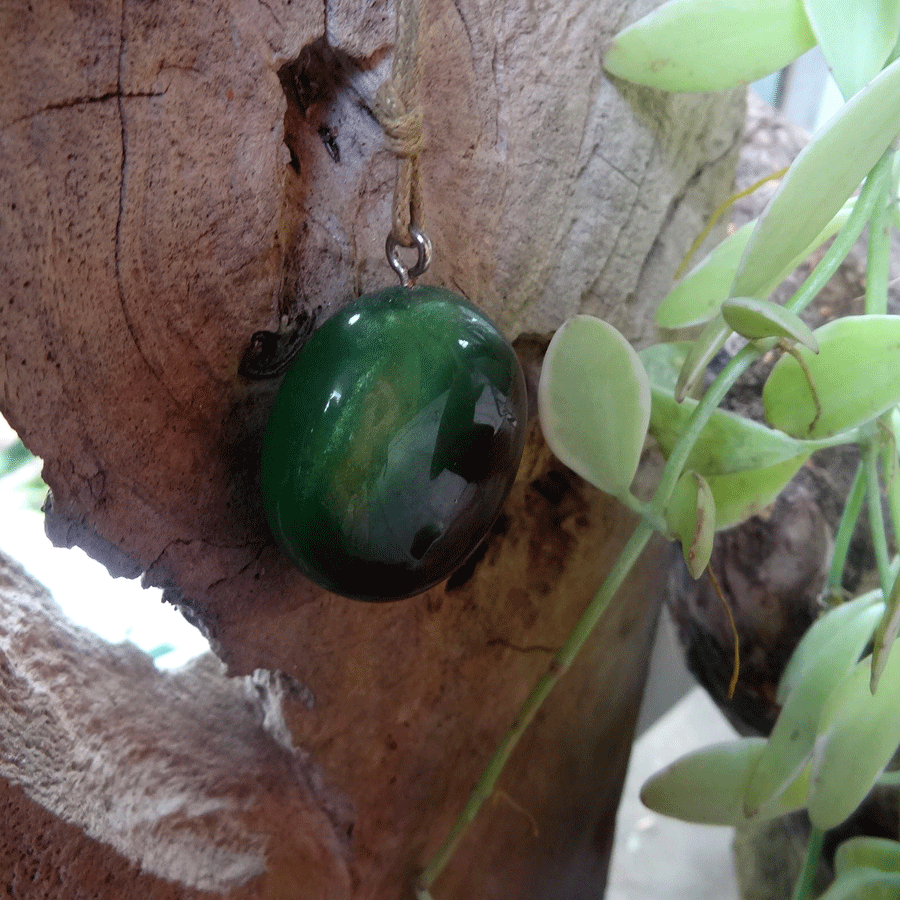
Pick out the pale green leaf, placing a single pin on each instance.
(710, 45)
(691, 517)
(825, 173)
(880, 854)
(864, 884)
(867, 852)
(708, 344)
(818, 636)
(700, 294)
(745, 464)
(856, 37)
(728, 442)
(696, 298)
(740, 495)
(886, 632)
(858, 734)
(855, 375)
(755, 318)
(708, 786)
(594, 402)
(790, 744)
(663, 362)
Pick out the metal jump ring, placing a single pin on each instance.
(423, 246)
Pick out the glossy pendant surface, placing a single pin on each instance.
(392, 443)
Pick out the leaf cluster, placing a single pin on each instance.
(600, 401)
(838, 384)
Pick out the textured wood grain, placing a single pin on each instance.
(176, 178)
(119, 781)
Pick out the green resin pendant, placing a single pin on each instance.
(392, 443)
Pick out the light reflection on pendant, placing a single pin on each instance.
(392, 443)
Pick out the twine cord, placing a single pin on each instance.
(399, 113)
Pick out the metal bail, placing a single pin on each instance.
(423, 246)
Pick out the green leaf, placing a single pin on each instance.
(864, 884)
(700, 294)
(710, 45)
(740, 495)
(663, 362)
(755, 319)
(886, 633)
(855, 375)
(818, 636)
(745, 464)
(711, 341)
(708, 786)
(691, 517)
(697, 297)
(869, 853)
(824, 174)
(790, 744)
(856, 37)
(728, 443)
(594, 402)
(858, 734)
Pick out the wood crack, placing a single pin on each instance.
(120, 96)
(271, 12)
(626, 221)
(123, 165)
(521, 648)
(466, 28)
(685, 191)
(150, 573)
(87, 100)
(607, 162)
(243, 569)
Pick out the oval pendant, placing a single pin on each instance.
(392, 443)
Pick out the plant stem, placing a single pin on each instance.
(847, 526)
(828, 265)
(891, 476)
(708, 404)
(878, 258)
(876, 519)
(563, 659)
(894, 188)
(560, 663)
(645, 511)
(872, 191)
(873, 188)
(803, 888)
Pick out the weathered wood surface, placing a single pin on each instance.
(119, 781)
(174, 179)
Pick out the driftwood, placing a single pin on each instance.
(175, 180)
(101, 788)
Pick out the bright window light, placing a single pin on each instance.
(116, 609)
